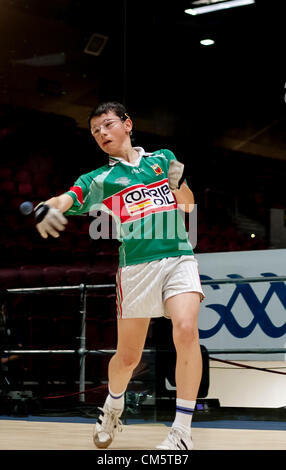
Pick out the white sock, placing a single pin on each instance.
(184, 414)
(115, 400)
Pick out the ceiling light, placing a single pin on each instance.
(207, 42)
(218, 6)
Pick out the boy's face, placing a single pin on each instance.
(110, 132)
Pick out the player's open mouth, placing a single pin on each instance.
(106, 142)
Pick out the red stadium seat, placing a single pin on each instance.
(7, 188)
(9, 278)
(40, 178)
(54, 276)
(42, 191)
(31, 276)
(25, 189)
(5, 173)
(97, 275)
(75, 276)
(23, 176)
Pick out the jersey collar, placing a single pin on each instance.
(114, 160)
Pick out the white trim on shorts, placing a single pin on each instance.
(142, 289)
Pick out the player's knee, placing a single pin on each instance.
(185, 333)
(129, 359)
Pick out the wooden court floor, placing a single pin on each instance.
(34, 435)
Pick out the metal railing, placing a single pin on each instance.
(81, 351)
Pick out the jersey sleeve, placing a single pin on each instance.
(168, 154)
(86, 192)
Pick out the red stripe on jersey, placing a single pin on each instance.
(78, 191)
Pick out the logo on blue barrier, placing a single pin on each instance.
(257, 308)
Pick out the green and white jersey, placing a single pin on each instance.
(149, 225)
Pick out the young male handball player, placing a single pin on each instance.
(157, 274)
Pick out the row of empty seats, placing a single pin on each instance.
(36, 276)
(33, 185)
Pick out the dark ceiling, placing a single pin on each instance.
(231, 93)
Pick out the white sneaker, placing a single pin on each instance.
(177, 440)
(107, 423)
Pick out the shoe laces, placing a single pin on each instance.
(176, 436)
(110, 419)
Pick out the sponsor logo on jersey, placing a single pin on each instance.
(158, 170)
(139, 207)
(139, 200)
(158, 196)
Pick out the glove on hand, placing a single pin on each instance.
(50, 221)
(175, 174)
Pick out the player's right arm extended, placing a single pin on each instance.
(49, 215)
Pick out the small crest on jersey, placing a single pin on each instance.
(123, 180)
(158, 170)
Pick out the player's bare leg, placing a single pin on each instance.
(184, 309)
(132, 334)
(131, 339)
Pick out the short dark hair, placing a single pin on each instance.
(104, 108)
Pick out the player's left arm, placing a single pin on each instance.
(183, 194)
(185, 198)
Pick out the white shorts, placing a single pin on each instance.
(142, 289)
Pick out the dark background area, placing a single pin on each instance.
(221, 108)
